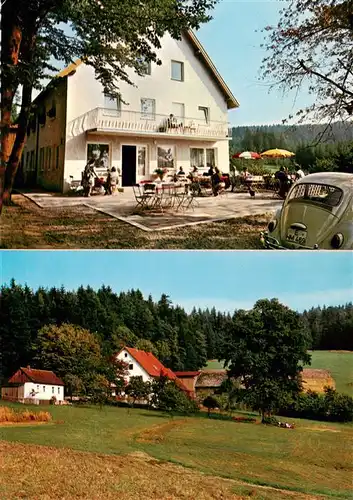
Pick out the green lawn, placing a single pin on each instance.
(340, 365)
(314, 458)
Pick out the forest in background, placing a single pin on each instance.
(181, 340)
(317, 147)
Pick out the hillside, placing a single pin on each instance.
(289, 137)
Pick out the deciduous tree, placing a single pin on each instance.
(266, 349)
(311, 48)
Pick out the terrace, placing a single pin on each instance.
(126, 122)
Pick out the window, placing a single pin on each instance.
(197, 157)
(329, 196)
(145, 66)
(52, 390)
(48, 158)
(177, 71)
(28, 157)
(141, 160)
(37, 387)
(178, 110)
(148, 108)
(205, 112)
(41, 159)
(58, 390)
(57, 157)
(165, 157)
(126, 355)
(210, 157)
(112, 105)
(43, 388)
(32, 167)
(131, 367)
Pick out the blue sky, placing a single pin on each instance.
(233, 44)
(226, 280)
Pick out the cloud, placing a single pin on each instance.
(298, 301)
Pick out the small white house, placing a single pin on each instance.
(32, 385)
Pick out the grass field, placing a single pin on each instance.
(24, 225)
(340, 364)
(312, 460)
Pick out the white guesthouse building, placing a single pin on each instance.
(32, 385)
(76, 119)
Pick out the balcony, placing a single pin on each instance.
(135, 123)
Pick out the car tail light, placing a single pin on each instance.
(272, 225)
(337, 241)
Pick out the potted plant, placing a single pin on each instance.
(161, 172)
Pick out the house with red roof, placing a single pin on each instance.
(146, 365)
(32, 385)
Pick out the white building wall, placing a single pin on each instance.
(137, 370)
(43, 391)
(85, 93)
(197, 89)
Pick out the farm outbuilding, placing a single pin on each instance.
(30, 385)
(316, 380)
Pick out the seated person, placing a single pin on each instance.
(246, 176)
(172, 121)
(299, 174)
(194, 172)
(217, 184)
(112, 181)
(181, 172)
(210, 171)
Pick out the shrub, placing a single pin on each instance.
(270, 421)
(330, 406)
(166, 396)
(244, 419)
(210, 403)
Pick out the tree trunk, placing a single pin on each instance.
(10, 47)
(16, 153)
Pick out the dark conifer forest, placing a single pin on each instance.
(181, 340)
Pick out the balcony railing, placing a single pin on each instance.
(134, 122)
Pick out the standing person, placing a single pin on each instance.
(245, 175)
(282, 178)
(88, 178)
(217, 183)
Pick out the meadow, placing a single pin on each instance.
(339, 363)
(173, 456)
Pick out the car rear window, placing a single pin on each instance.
(323, 194)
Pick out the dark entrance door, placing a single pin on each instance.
(128, 170)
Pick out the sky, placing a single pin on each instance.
(225, 280)
(232, 40)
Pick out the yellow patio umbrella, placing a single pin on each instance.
(277, 153)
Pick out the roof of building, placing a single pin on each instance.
(211, 378)
(153, 366)
(315, 373)
(187, 374)
(199, 52)
(29, 374)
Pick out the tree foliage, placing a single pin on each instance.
(114, 320)
(311, 48)
(137, 389)
(266, 349)
(211, 403)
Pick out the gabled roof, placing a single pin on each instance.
(211, 378)
(28, 374)
(199, 52)
(153, 366)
